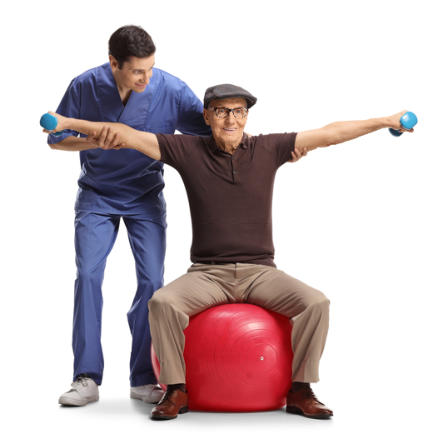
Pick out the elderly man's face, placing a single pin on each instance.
(227, 131)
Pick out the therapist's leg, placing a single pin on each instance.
(94, 238)
(147, 240)
(95, 235)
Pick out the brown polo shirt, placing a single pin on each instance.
(230, 196)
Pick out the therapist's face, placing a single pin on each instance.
(135, 73)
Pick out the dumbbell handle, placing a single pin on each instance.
(407, 121)
(49, 122)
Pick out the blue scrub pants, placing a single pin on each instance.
(95, 235)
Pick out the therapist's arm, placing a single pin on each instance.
(111, 135)
(73, 143)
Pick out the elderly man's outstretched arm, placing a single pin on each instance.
(112, 135)
(339, 132)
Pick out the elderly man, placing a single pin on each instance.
(229, 180)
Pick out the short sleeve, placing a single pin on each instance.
(283, 145)
(174, 149)
(190, 118)
(69, 107)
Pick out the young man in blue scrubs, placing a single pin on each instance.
(123, 184)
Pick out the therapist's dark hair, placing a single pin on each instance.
(130, 41)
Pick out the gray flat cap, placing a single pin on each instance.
(225, 91)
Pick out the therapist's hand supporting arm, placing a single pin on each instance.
(118, 135)
(110, 135)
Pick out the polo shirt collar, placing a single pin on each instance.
(243, 144)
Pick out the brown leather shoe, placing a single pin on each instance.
(173, 402)
(302, 401)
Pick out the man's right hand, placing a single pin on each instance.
(61, 125)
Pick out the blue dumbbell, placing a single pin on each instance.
(408, 121)
(49, 122)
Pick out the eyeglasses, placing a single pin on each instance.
(222, 112)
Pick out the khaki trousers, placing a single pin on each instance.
(204, 286)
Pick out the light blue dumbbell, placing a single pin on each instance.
(408, 121)
(49, 122)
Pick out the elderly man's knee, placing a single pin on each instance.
(311, 298)
(160, 300)
(319, 302)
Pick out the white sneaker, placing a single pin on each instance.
(149, 393)
(84, 390)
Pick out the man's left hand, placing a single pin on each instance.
(298, 153)
(108, 139)
(394, 122)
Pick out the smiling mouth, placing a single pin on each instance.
(230, 129)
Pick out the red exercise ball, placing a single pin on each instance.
(238, 359)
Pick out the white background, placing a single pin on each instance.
(350, 219)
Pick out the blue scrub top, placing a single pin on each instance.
(126, 181)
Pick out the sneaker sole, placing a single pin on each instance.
(69, 402)
(297, 411)
(140, 398)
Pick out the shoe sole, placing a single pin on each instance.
(163, 418)
(297, 411)
(68, 402)
(140, 398)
